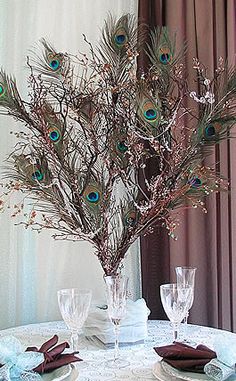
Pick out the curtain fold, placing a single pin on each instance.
(34, 267)
(204, 241)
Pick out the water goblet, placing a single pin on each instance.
(175, 301)
(74, 306)
(117, 286)
(186, 278)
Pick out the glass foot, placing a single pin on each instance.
(190, 342)
(116, 364)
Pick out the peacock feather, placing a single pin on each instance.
(32, 172)
(10, 98)
(162, 49)
(130, 218)
(51, 63)
(217, 117)
(93, 196)
(120, 34)
(54, 128)
(202, 181)
(119, 147)
(211, 132)
(149, 113)
(119, 39)
(162, 55)
(117, 33)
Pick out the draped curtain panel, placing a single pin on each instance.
(206, 241)
(34, 267)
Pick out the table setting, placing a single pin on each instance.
(116, 341)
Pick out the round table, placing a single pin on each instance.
(141, 357)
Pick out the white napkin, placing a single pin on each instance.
(133, 328)
(224, 365)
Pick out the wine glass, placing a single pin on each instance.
(74, 306)
(175, 301)
(116, 299)
(186, 278)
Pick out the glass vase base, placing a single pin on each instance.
(117, 363)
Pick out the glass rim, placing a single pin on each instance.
(76, 291)
(186, 267)
(165, 285)
(116, 276)
(173, 285)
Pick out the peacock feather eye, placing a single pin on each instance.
(195, 182)
(165, 55)
(150, 111)
(37, 175)
(54, 135)
(2, 90)
(122, 147)
(93, 197)
(120, 37)
(92, 194)
(54, 62)
(130, 218)
(150, 114)
(210, 131)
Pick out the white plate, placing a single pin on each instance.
(160, 374)
(164, 372)
(65, 373)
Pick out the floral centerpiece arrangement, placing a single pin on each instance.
(91, 125)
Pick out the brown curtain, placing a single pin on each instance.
(207, 241)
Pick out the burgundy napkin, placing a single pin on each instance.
(54, 358)
(184, 357)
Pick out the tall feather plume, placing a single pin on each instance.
(196, 184)
(217, 116)
(10, 98)
(118, 148)
(119, 37)
(130, 217)
(92, 202)
(54, 127)
(32, 172)
(52, 64)
(149, 113)
(162, 54)
(212, 131)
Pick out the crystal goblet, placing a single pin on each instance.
(185, 277)
(175, 301)
(117, 286)
(74, 306)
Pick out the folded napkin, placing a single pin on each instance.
(53, 356)
(184, 357)
(133, 328)
(17, 365)
(224, 366)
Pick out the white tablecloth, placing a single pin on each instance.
(141, 357)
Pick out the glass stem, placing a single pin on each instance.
(116, 330)
(175, 332)
(185, 321)
(74, 341)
